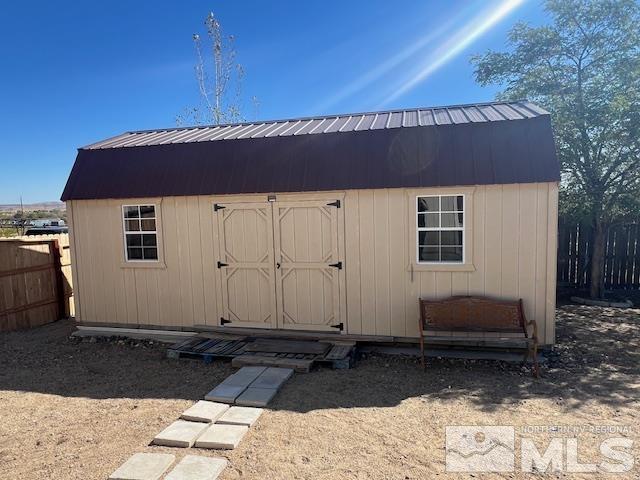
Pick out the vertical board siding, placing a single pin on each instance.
(73, 251)
(526, 265)
(398, 260)
(551, 267)
(513, 249)
(352, 253)
(381, 254)
(207, 257)
(366, 221)
(510, 242)
(493, 241)
(476, 278)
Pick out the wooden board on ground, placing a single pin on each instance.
(298, 364)
(287, 346)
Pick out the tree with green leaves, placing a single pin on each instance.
(584, 67)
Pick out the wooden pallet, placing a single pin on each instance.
(299, 355)
(207, 349)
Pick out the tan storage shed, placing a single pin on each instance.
(335, 225)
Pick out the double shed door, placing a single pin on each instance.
(280, 264)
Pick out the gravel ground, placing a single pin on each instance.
(73, 409)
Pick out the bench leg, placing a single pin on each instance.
(422, 360)
(532, 352)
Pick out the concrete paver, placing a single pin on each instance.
(143, 466)
(180, 434)
(244, 376)
(224, 393)
(193, 467)
(272, 377)
(204, 411)
(256, 397)
(240, 416)
(219, 436)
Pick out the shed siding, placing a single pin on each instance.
(514, 241)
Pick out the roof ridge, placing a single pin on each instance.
(394, 118)
(333, 115)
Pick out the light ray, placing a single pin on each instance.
(460, 40)
(382, 69)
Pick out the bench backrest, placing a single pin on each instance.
(472, 314)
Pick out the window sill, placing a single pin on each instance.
(442, 267)
(158, 265)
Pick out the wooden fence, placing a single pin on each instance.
(35, 281)
(622, 256)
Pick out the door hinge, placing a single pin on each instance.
(217, 206)
(339, 326)
(334, 204)
(336, 265)
(224, 320)
(220, 264)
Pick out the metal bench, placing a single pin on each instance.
(479, 321)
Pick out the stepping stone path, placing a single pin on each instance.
(180, 434)
(209, 424)
(144, 466)
(240, 416)
(250, 386)
(226, 437)
(192, 467)
(204, 411)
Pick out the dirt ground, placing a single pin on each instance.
(77, 410)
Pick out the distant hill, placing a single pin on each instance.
(29, 207)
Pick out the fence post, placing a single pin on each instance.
(57, 263)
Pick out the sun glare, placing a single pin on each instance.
(454, 45)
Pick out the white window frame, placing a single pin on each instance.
(125, 232)
(440, 229)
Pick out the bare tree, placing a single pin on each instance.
(219, 77)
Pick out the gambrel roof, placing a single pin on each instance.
(489, 143)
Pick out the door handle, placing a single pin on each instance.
(278, 265)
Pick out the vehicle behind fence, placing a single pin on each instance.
(622, 256)
(35, 281)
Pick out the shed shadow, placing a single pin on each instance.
(597, 359)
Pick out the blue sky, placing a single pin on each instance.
(74, 73)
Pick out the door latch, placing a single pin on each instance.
(339, 326)
(334, 204)
(224, 321)
(336, 265)
(220, 264)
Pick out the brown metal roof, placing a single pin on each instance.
(490, 143)
(417, 117)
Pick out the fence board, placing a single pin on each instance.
(622, 255)
(35, 281)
